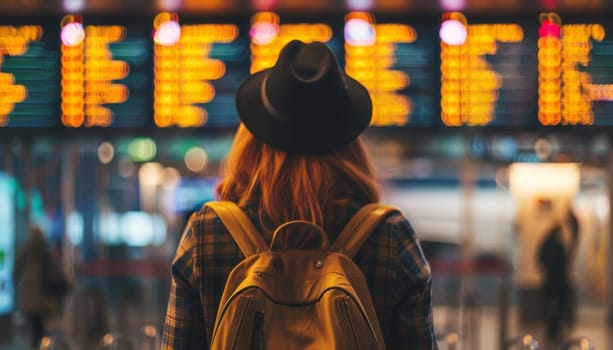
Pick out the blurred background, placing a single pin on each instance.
(492, 122)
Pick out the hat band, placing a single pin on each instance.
(266, 102)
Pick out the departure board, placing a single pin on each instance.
(29, 76)
(174, 71)
(106, 76)
(575, 72)
(601, 75)
(486, 72)
(396, 61)
(196, 70)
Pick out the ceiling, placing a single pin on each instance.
(229, 7)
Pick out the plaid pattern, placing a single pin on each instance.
(396, 271)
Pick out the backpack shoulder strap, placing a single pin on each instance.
(360, 226)
(244, 233)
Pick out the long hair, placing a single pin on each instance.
(287, 186)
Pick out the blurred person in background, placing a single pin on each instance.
(573, 252)
(40, 283)
(297, 154)
(553, 259)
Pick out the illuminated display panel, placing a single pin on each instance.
(600, 90)
(197, 68)
(105, 74)
(268, 34)
(29, 75)
(575, 73)
(482, 71)
(235, 56)
(396, 64)
(510, 71)
(515, 65)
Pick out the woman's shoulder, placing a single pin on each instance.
(393, 215)
(207, 219)
(394, 224)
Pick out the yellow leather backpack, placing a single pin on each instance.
(288, 298)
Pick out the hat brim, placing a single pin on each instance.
(340, 128)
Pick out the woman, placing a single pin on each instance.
(297, 155)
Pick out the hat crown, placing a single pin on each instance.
(305, 103)
(311, 62)
(305, 85)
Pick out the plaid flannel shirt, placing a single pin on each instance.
(392, 260)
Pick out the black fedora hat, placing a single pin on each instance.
(304, 104)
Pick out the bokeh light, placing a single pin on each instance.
(142, 149)
(453, 32)
(72, 34)
(106, 152)
(360, 5)
(453, 5)
(263, 33)
(549, 28)
(73, 5)
(358, 32)
(150, 174)
(196, 159)
(168, 33)
(169, 5)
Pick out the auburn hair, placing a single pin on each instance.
(286, 186)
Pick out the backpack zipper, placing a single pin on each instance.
(345, 304)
